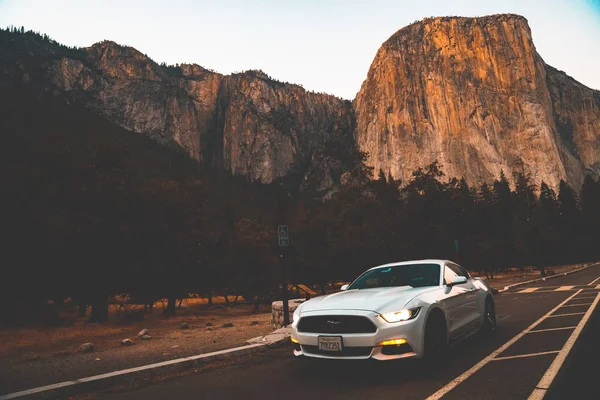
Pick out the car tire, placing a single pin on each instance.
(435, 340)
(489, 316)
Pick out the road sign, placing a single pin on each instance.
(283, 235)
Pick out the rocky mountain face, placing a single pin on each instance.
(474, 94)
(247, 124)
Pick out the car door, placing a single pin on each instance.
(472, 311)
(460, 301)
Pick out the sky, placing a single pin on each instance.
(324, 45)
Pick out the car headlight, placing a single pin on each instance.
(296, 317)
(403, 315)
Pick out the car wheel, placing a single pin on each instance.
(489, 321)
(435, 339)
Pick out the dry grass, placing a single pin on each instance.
(42, 341)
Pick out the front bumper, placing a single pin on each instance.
(359, 346)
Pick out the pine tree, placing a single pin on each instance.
(590, 211)
(548, 202)
(568, 223)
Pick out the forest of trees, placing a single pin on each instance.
(217, 234)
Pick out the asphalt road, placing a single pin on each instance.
(277, 375)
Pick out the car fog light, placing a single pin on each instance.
(393, 342)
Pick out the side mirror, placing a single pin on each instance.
(458, 280)
(344, 287)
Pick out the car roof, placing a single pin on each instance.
(426, 261)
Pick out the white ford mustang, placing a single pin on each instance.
(399, 310)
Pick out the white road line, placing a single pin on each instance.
(566, 315)
(458, 380)
(578, 304)
(544, 384)
(528, 290)
(563, 288)
(526, 355)
(597, 286)
(594, 281)
(127, 371)
(553, 329)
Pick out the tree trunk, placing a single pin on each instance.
(99, 311)
(171, 303)
(226, 299)
(236, 299)
(210, 303)
(257, 304)
(82, 310)
(180, 301)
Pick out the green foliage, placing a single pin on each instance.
(20, 31)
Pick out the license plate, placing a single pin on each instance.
(330, 343)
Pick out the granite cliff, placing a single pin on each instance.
(474, 94)
(247, 124)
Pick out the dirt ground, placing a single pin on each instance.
(39, 355)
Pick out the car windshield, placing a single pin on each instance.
(415, 275)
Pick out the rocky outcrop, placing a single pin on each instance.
(132, 91)
(474, 94)
(270, 129)
(247, 124)
(576, 111)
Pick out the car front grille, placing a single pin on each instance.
(346, 351)
(336, 324)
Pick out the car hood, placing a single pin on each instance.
(377, 299)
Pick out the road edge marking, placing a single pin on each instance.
(543, 353)
(546, 277)
(242, 350)
(594, 281)
(566, 315)
(577, 305)
(564, 288)
(528, 290)
(465, 375)
(553, 329)
(544, 384)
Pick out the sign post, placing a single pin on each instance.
(457, 248)
(283, 237)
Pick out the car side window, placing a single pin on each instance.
(460, 271)
(452, 271)
(449, 274)
(465, 273)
